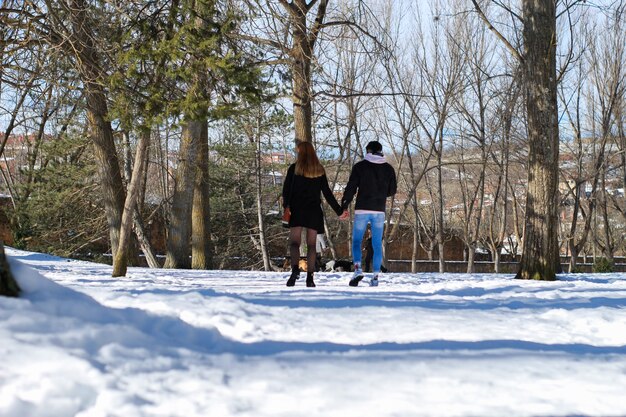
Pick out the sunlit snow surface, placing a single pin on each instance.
(240, 343)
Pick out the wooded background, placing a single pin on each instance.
(132, 124)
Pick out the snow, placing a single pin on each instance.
(240, 343)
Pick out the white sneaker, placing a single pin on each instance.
(374, 281)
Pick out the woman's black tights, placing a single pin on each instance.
(295, 236)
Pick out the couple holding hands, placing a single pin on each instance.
(372, 180)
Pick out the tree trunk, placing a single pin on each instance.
(201, 248)
(179, 231)
(138, 227)
(133, 244)
(471, 254)
(301, 56)
(120, 260)
(414, 250)
(440, 222)
(497, 255)
(416, 239)
(108, 166)
(301, 83)
(8, 285)
(608, 248)
(442, 262)
(259, 207)
(573, 257)
(144, 243)
(100, 131)
(540, 254)
(329, 240)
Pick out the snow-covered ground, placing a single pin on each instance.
(240, 343)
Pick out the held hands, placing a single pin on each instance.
(344, 215)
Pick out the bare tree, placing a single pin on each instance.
(497, 216)
(441, 86)
(83, 48)
(610, 87)
(620, 117)
(592, 105)
(474, 137)
(291, 32)
(68, 28)
(254, 130)
(583, 204)
(540, 256)
(345, 98)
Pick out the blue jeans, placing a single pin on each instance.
(377, 224)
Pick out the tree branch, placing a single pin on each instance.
(289, 7)
(499, 35)
(263, 41)
(351, 24)
(319, 20)
(363, 94)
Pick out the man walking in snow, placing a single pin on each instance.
(372, 180)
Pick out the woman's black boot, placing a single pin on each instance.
(295, 274)
(309, 279)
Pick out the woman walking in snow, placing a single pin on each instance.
(304, 182)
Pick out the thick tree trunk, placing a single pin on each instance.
(108, 165)
(301, 80)
(100, 131)
(540, 254)
(179, 231)
(120, 259)
(302, 56)
(196, 181)
(201, 248)
(8, 285)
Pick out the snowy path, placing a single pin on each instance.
(233, 343)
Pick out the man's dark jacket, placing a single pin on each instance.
(374, 181)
